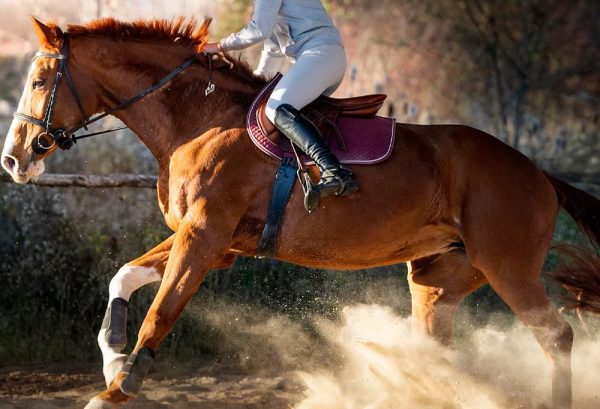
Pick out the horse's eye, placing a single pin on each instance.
(38, 83)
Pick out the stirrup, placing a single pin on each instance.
(312, 196)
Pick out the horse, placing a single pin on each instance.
(460, 207)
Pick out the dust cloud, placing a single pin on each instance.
(370, 359)
(384, 365)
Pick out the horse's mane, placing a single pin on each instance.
(190, 33)
(185, 32)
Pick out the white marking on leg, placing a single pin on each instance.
(128, 279)
(97, 403)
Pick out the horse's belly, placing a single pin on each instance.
(366, 250)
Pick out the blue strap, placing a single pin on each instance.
(282, 189)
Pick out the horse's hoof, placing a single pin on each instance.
(96, 403)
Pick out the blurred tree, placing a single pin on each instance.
(547, 46)
(233, 16)
(527, 71)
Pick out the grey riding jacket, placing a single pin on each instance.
(288, 28)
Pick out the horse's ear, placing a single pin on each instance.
(50, 36)
(200, 36)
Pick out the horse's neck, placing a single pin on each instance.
(179, 111)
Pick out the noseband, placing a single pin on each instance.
(65, 138)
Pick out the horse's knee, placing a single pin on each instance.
(129, 278)
(433, 311)
(431, 288)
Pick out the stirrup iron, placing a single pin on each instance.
(312, 197)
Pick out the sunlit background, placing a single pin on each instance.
(526, 71)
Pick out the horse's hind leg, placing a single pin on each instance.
(112, 337)
(437, 285)
(527, 298)
(507, 236)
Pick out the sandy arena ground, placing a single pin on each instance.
(185, 387)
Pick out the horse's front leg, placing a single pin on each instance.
(112, 337)
(192, 255)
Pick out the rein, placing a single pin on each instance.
(65, 138)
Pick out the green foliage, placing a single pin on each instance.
(49, 277)
(55, 272)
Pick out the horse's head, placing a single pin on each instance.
(45, 109)
(105, 74)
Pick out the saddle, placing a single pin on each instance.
(354, 132)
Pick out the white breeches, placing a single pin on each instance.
(316, 71)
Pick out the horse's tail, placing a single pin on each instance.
(581, 278)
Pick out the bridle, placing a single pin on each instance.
(65, 138)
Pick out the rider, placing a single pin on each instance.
(302, 31)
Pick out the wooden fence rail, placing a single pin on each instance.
(579, 178)
(92, 181)
(149, 181)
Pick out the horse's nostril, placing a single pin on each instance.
(9, 163)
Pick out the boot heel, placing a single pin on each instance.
(349, 189)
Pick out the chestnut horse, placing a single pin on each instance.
(462, 208)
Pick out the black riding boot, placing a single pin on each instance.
(335, 179)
